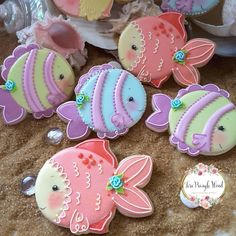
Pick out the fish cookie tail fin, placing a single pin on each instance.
(159, 120)
(76, 129)
(136, 171)
(199, 51)
(12, 113)
(10, 60)
(186, 75)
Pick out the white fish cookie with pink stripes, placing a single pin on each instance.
(201, 119)
(108, 101)
(81, 187)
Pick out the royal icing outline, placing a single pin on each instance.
(145, 40)
(43, 92)
(76, 213)
(181, 119)
(91, 114)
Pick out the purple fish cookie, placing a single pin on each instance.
(109, 101)
(201, 120)
(37, 81)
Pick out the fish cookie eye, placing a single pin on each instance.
(221, 128)
(131, 99)
(134, 47)
(61, 76)
(55, 188)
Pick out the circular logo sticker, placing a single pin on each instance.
(202, 186)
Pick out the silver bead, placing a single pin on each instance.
(54, 136)
(28, 185)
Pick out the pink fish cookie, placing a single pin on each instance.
(201, 120)
(154, 47)
(81, 187)
(90, 9)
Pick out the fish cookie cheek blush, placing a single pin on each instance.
(64, 77)
(131, 47)
(55, 200)
(224, 136)
(50, 192)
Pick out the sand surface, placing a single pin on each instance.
(23, 151)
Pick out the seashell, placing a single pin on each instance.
(132, 11)
(93, 33)
(227, 27)
(58, 34)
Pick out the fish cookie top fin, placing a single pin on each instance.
(17, 53)
(87, 76)
(100, 147)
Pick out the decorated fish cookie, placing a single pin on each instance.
(81, 187)
(109, 101)
(200, 119)
(189, 7)
(154, 47)
(90, 9)
(36, 81)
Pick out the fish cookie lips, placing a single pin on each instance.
(189, 7)
(109, 101)
(154, 47)
(37, 81)
(90, 9)
(81, 187)
(200, 120)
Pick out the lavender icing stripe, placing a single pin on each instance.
(97, 102)
(28, 81)
(119, 105)
(210, 125)
(49, 80)
(191, 112)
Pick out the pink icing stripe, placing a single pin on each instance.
(28, 81)
(48, 76)
(191, 112)
(97, 102)
(210, 125)
(119, 106)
